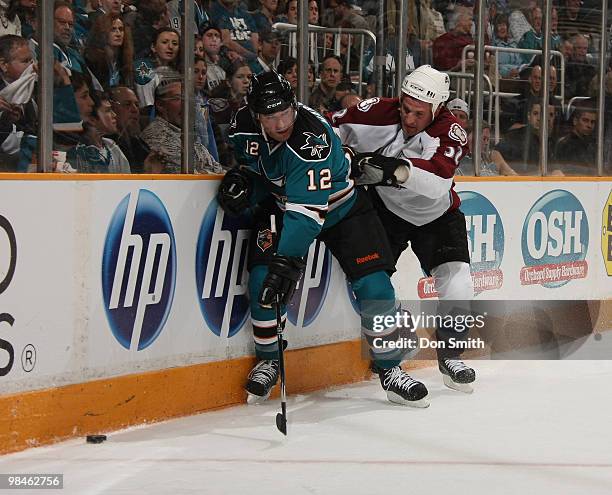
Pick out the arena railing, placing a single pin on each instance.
(364, 35)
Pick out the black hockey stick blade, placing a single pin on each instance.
(281, 423)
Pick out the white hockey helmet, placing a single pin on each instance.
(427, 84)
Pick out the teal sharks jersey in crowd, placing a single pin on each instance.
(308, 175)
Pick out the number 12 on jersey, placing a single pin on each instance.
(324, 182)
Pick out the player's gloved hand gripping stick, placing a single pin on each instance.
(234, 192)
(284, 272)
(378, 170)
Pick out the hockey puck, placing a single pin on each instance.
(96, 438)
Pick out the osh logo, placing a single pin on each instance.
(309, 297)
(606, 234)
(485, 232)
(555, 240)
(221, 272)
(138, 269)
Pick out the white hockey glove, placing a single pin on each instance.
(378, 170)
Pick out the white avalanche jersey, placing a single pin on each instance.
(374, 126)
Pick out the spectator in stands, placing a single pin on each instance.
(448, 48)
(532, 39)
(508, 62)
(291, 12)
(204, 129)
(466, 165)
(225, 100)
(555, 38)
(331, 74)
(63, 32)
(567, 49)
(518, 22)
(520, 148)
(105, 7)
(459, 108)
(574, 20)
(579, 71)
(198, 47)
(289, 69)
(265, 16)
(15, 59)
(175, 13)
(163, 134)
(9, 20)
(313, 12)
(269, 48)
(23, 13)
(517, 107)
(238, 29)
(125, 105)
(576, 153)
(164, 53)
(318, 102)
(110, 53)
(152, 16)
(343, 11)
(215, 75)
(311, 76)
(95, 153)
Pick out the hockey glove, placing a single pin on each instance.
(378, 170)
(234, 192)
(284, 272)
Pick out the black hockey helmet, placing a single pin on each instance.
(270, 93)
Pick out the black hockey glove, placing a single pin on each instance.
(234, 192)
(376, 169)
(284, 272)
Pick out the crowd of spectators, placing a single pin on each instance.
(118, 88)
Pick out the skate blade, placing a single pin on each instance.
(253, 399)
(465, 388)
(398, 399)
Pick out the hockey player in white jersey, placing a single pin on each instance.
(407, 150)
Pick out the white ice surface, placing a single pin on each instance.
(531, 427)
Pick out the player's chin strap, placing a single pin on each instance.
(378, 170)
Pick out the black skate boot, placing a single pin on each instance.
(457, 375)
(402, 389)
(261, 379)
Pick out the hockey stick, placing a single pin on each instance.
(281, 417)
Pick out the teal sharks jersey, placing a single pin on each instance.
(308, 175)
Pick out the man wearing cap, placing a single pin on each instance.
(408, 149)
(459, 108)
(268, 52)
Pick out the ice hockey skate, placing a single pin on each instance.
(457, 375)
(402, 389)
(261, 380)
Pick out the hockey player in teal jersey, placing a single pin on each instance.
(292, 166)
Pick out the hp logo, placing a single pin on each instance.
(138, 269)
(312, 289)
(221, 272)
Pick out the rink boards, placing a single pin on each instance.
(125, 301)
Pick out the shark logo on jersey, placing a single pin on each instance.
(144, 70)
(315, 143)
